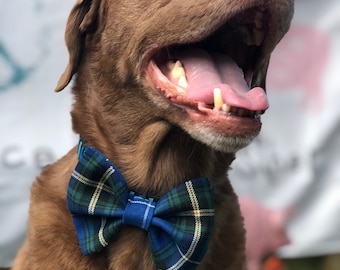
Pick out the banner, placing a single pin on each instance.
(35, 121)
(295, 162)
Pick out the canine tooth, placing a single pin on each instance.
(170, 65)
(226, 108)
(176, 69)
(218, 99)
(181, 90)
(182, 82)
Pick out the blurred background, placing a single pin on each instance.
(293, 167)
(35, 123)
(288, 179)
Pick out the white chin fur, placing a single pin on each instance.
(217, 141)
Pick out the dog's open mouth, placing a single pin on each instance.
(213, 77)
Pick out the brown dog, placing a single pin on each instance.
(159, 122)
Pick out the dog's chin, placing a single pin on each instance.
(218, 142)
(222, 132)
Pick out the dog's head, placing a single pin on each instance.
(198, 64)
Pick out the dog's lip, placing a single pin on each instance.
(251, 103)
(237, 122)
(232, 125)
(224, 122)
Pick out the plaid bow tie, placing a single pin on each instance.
(179, 224)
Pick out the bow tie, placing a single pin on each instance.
(179, 224)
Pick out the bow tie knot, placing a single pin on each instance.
(179, 224)
(139, 212)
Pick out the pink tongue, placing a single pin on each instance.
(208, 71)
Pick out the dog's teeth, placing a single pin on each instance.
(176, 69)
(182, 82)
(177, 72)
(218, 99)
(226, 108)
(171, 65)
(219, 102)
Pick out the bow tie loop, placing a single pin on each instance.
(139, 212)
(179, 224)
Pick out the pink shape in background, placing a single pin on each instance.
(265, 230)
(298, 63)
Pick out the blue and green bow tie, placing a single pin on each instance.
(179, 224)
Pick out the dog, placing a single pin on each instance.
(168, 91)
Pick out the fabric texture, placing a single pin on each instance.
(179, 224)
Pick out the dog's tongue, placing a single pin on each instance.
(205, 72)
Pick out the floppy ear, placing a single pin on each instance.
(83, 15)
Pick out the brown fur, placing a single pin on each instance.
(117, 112)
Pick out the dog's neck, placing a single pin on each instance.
(153, 154)
(162, 157)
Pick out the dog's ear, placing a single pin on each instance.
(82, 17)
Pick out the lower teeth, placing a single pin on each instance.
(225, 108)
(218, 99)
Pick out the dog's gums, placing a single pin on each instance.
(212, 79)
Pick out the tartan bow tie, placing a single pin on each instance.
(179, 224)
